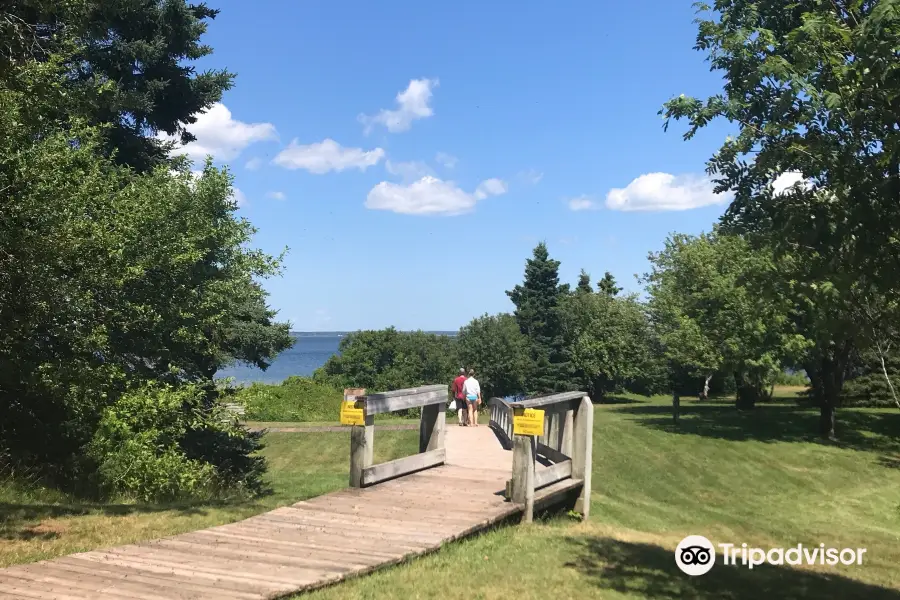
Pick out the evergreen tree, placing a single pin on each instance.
(538, 315)
(128, 67)
(608, 286)
(584, 283)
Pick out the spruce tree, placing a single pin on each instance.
(538, 315)
(584, 283)
(608, 286)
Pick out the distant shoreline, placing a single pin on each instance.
(344, 333)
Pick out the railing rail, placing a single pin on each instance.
(432, 399)
(564, 448)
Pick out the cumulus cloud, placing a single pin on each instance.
(409, 171)
(413, 103)
(664, 192)
(787, 180)
(276, 195)
(430, 196)
(490, 187)
(447, 160)
(253, 164)
(582, 203)
(220, 135)
(326, 156)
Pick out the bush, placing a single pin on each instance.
(158, 443)
(295, 399)
(387, 359)
(792, 379)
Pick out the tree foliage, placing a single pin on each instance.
(537, 313)
(499, 352)
(706, 308)
(387, 359)
(128, 66)
(111, 280)
(814, 90)
(609, 343)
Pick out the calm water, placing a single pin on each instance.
(310, 351)
(308, 354)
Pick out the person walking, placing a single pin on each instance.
(472, 389)
(462, 410)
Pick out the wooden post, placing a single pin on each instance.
(581, 460)
(522, 491)
(553, 430)
(431, 427)
(566, 445)
(362, 447)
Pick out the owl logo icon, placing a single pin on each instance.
(695, 555)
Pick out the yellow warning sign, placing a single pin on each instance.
(352, 413)
(352, 408)
(528, 421)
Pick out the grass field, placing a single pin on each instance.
(36, 523)
(760, 478)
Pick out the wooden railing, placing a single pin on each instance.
(432, 399)
(564, 448)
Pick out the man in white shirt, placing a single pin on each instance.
(472, 390)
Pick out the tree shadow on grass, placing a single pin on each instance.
(858, 430)
(649, 571)
(25, 521)
(613, 399)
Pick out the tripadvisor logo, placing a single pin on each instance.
(696, 555)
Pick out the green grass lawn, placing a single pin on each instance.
(760, 478)
(37, 523)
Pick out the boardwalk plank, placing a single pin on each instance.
(307, 545)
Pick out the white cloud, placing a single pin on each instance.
(664, 192)
(490, 187)
(253, 164)
(582, 203)
(531, 176)
(430, 196)
(447, 160)
(220, 135)
(276, 195)
(787, 180)
(412, 104)
(409, 171)
(326, 156)
(238, 196)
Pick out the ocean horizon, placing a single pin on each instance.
(311, 350)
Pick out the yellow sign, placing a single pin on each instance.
(352, 413)
(528, 421)
(352, 409)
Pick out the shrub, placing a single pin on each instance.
(159, 443)
(295, 399)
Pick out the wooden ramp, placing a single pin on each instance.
(457, 484)
(300, 547)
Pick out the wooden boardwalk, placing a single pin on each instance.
(308, 545)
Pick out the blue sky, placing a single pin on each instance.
(411, 155)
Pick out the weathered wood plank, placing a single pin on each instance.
(432, 425)
(545, 401)
(554, 455)
(362, 450)
(522, 487)
(402, 466)
(583, 450)
(557, 472)
(380, 403)
(153, 580)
